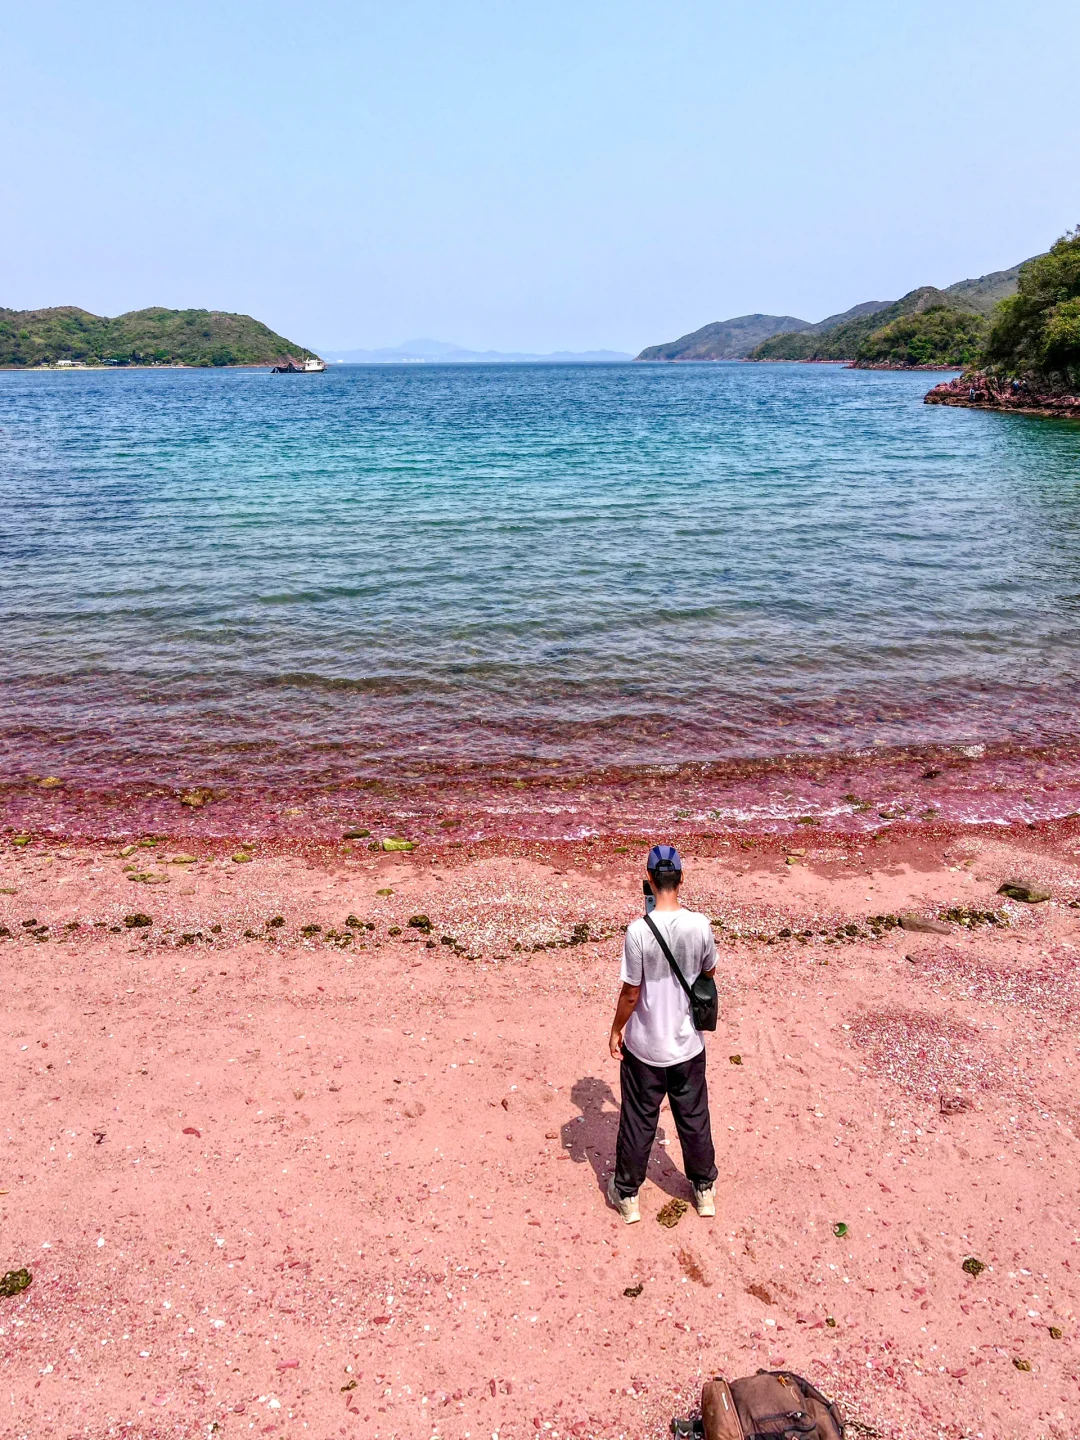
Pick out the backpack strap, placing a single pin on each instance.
(811, 1392)
(719, 1417)
(670, 958)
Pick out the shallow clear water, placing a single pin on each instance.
(238, 577)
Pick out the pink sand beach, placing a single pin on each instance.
(313, 1178)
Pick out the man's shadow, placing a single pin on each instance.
(590, 1137)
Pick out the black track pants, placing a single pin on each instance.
(643, 1090)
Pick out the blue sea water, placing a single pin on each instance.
(290, 579)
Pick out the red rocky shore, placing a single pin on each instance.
(981, 392)
(889, 365)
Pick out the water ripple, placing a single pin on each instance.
(602, 564)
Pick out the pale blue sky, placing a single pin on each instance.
(572, 174)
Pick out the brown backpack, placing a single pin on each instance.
(772, 1403)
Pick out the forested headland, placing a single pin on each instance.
(1029, 358)
(65, 334)
(927, 328)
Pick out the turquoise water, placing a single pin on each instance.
(276, 580)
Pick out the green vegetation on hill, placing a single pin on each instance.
(926, 327)
(868, 307)
(1036, 332)
(723, 339)
(843, 341)
(982, 295)
(938, 335)
(141, 337)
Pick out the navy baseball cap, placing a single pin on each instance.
(663, 857)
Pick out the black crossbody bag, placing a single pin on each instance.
(704, 1001)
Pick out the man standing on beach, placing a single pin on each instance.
(661, 1051)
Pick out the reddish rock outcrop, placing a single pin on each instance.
(979, 391)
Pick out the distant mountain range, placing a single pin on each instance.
(837, 337)
(66, 335)
(439, 352)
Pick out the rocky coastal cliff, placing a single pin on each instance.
(979, 391)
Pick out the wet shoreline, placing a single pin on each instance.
(917, 788)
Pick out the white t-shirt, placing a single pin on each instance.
(661, 1030)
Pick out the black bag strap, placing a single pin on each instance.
(670, 958)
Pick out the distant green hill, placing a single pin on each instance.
(944, 326)
(941, 327)
(724, 339)
(842, 341)
(868, 307)
(983, 294)
(141, 337)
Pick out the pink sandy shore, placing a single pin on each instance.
(285, 1185)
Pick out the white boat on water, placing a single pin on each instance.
(314, 366)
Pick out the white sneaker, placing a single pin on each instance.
(705, 1202)
(627, 1208)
